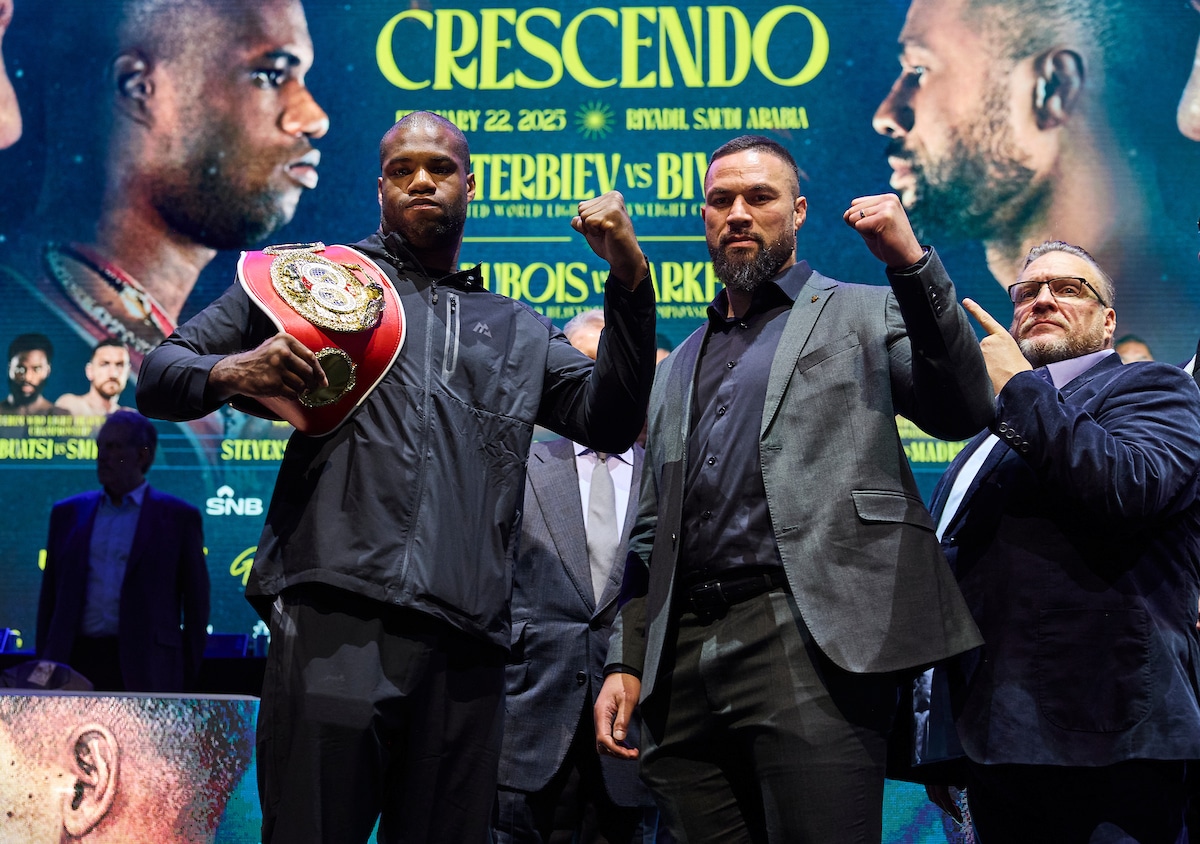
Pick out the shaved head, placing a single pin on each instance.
(422, 119)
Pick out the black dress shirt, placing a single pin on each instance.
(727, 524)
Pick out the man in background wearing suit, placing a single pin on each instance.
(1073, 527)
(784, 569)
(125, 596)
(565, 585)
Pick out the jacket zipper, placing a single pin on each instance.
(450, 352)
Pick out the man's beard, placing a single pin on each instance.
(19, 399)
(217, 202)
(432, 235)
(1040, 351)
(747, 276)
(982, 189)
(109, 389)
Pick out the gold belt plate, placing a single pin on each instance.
(326, 293)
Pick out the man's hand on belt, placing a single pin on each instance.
(279, 366)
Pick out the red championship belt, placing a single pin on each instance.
(339, 304)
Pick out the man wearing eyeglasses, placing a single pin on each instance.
(1073, 526)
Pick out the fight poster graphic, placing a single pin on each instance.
(142, 152)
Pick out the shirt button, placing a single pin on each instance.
(731, 364)
(580, 678)
(712, 461)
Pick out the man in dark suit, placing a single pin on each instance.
(788, 568)
(1073, 527)
(552, 784)
(125, 593)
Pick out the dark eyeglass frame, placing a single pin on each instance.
(1012, 288)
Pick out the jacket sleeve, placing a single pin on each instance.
(603, 405)
(1131, 454)
(939, 379)
(627, 644)
(173, 378)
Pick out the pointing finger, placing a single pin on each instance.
(983, 317)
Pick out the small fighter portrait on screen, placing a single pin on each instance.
(107, 373)
(29, 360)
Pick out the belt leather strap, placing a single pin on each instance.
(713, 598)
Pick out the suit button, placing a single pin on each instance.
(1002, 427)
(580, 678)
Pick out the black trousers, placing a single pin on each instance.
(371, 712)
(753, 735)
(1140, 801)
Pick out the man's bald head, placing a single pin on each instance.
(426, 119)
(173, 762)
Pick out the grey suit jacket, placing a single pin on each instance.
(559, 631)
(858, 545)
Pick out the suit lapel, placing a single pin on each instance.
(995, 457)
(810, 302)
(948, 478)
(1084, 378)
(78, 547)
(555, 482)
(143, 535)
(670, 455)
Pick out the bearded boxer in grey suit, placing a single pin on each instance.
(789, 573)
(551, 779)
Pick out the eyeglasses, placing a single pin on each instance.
(1066, 287)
